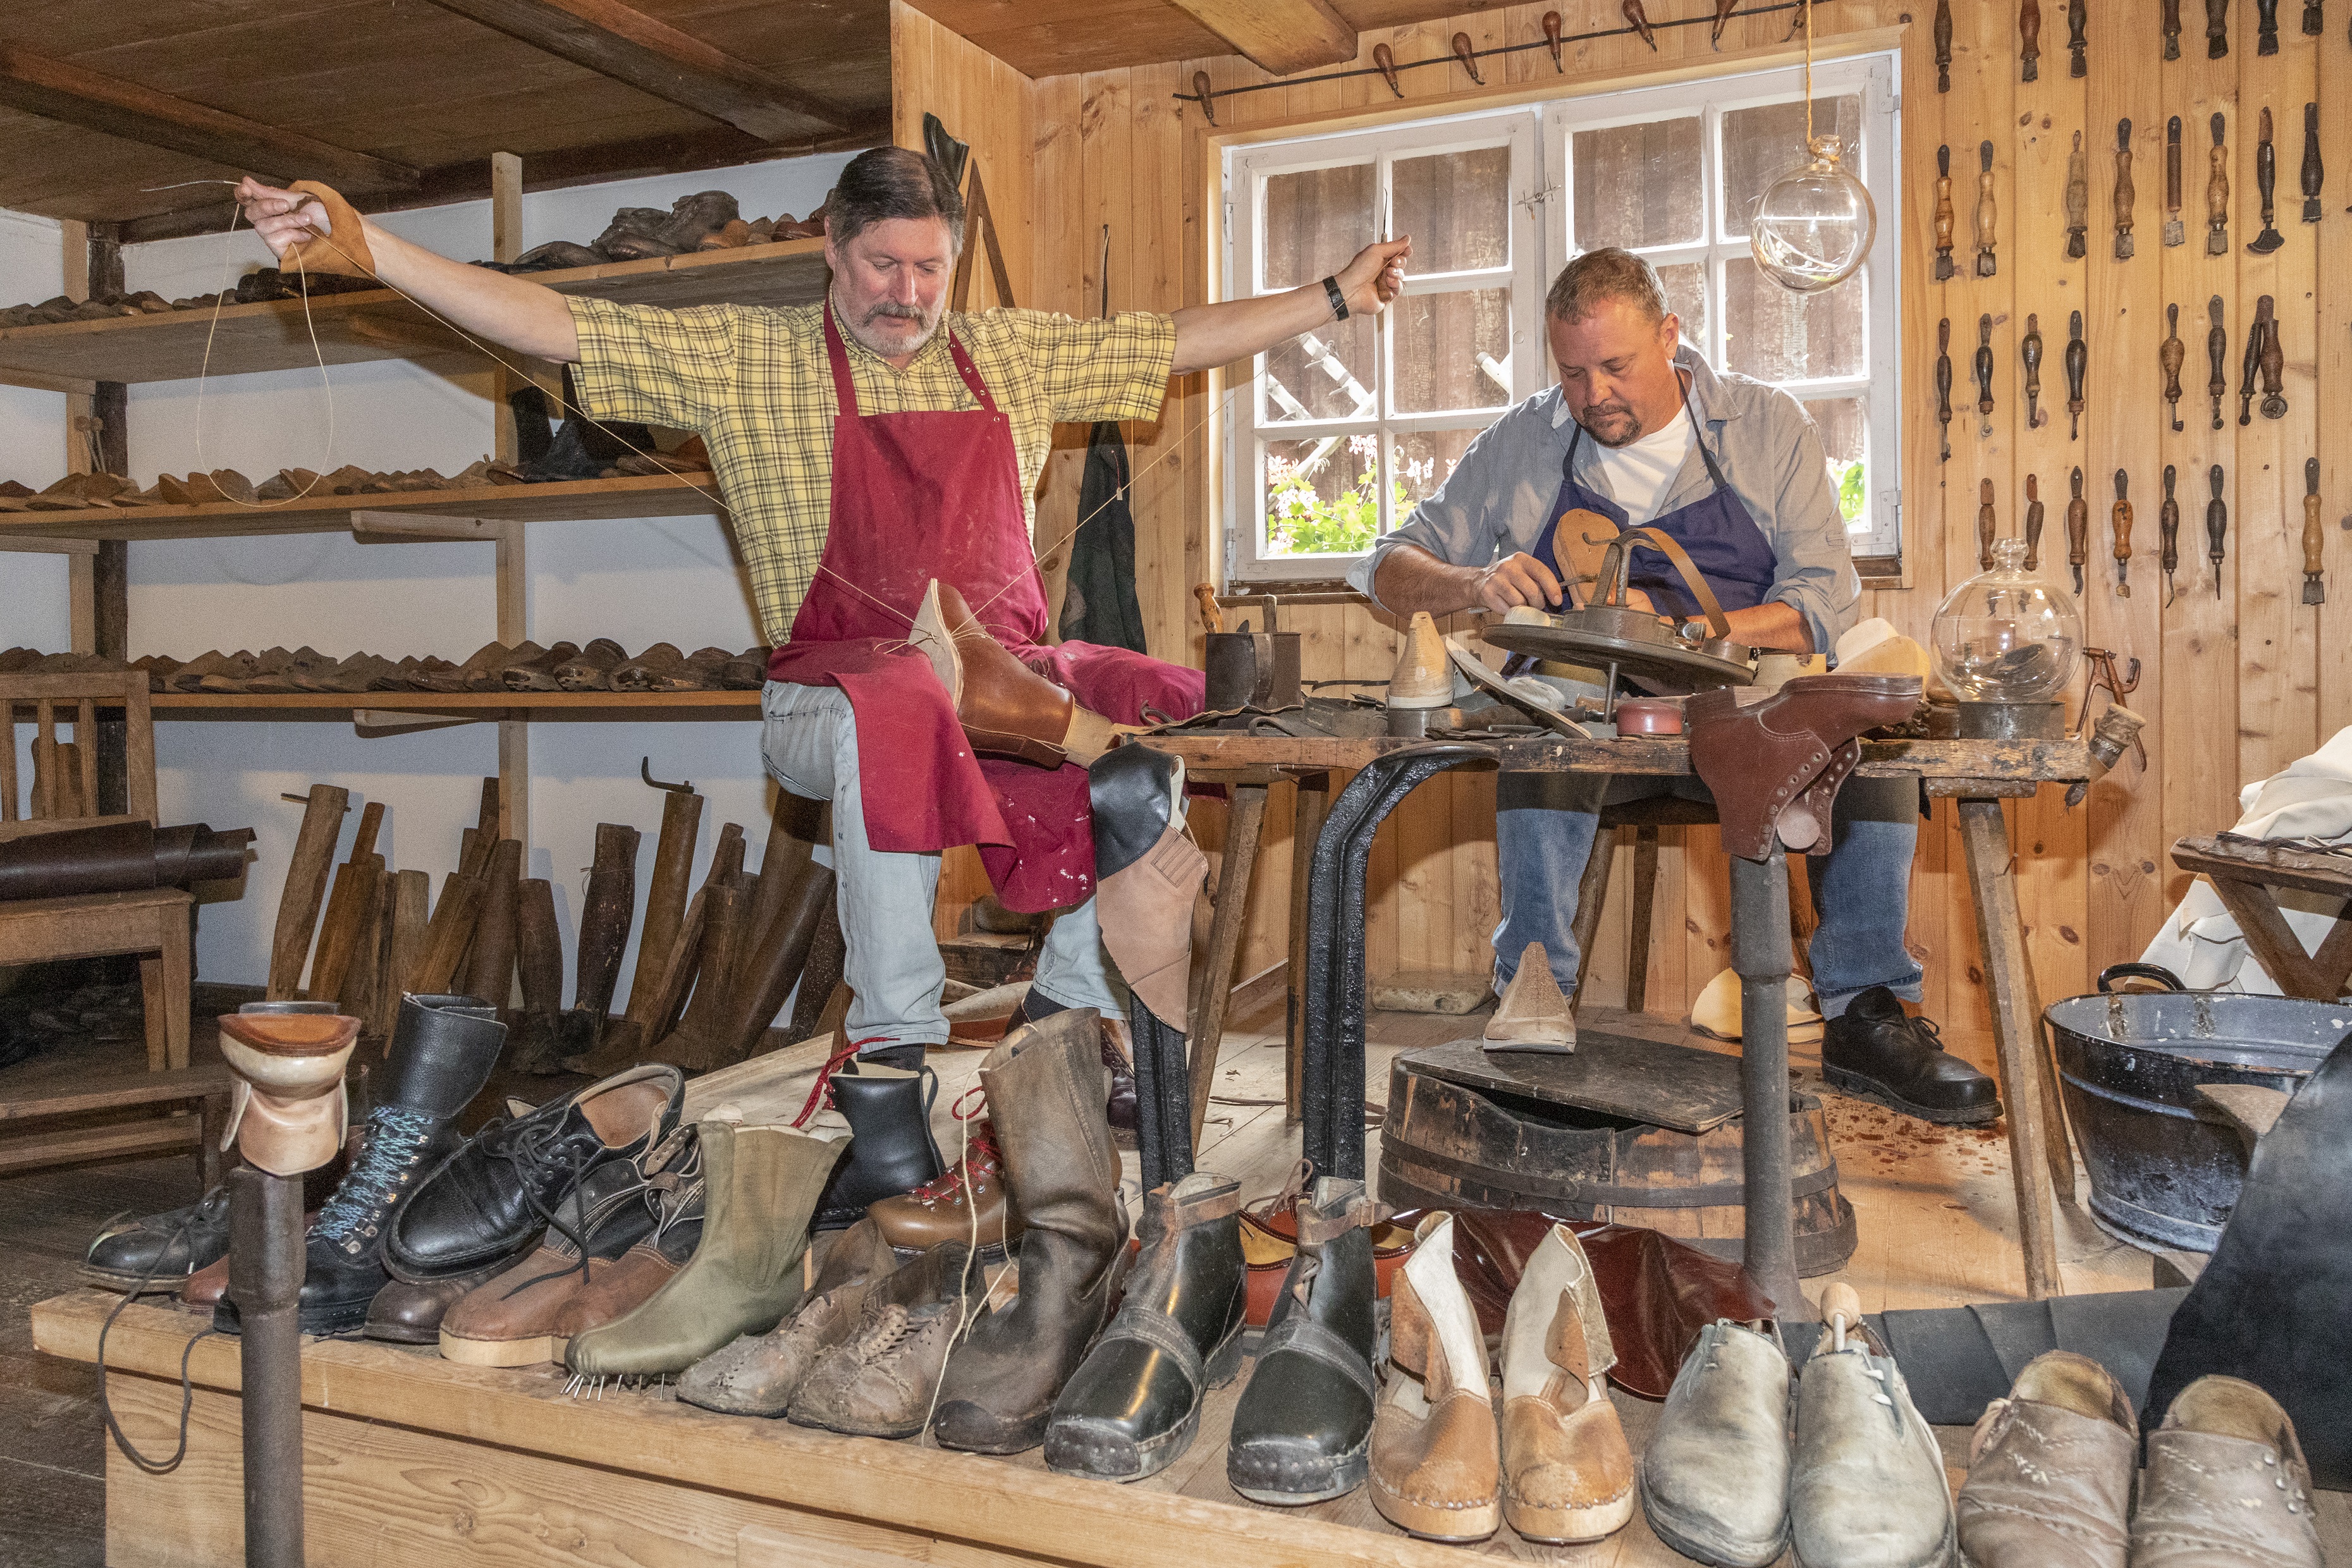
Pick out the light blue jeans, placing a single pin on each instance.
(1545, 824)
(884, 899)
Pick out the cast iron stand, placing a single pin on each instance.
(264, 1280)
(1761, 953)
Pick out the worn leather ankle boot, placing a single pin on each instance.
(1303, 1431)
(1436, 1468)
(1568, 1475)
(971, 1204)
(878, 1381)
(891, 1149)
(759, 1374)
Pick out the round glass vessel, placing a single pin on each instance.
(2008, 635)
(1813, 225)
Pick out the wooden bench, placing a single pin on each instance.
(2248, 873)
(206, 1090)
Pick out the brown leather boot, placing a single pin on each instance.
(1776, 765)
(942, 1209)
(1046, 1096)
(1006, 708)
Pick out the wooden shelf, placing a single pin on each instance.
(655, 495)
(469, 706)
(378, 324)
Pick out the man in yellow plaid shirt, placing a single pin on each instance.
(945, 431)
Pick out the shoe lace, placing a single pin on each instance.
(394, 1138)
(1926, 1025)
(982, 1157)
(890, 1330)
(821, 1092)
(525, 1145)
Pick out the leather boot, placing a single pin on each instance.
(761, 1187)
(1714, 1474)
(489, 1201)
(1533, 1015)
(1876, 1050)
(1148, 875)
(1045, 1099)
(1866, 1486)
(1006, 708)
(2226, 1485)
(1568, 1475)
(2051, 1470)
(891, 1149)
(1775, 766)
(1436, 1465)
(878, 1382)
(159, 1252)
(508, 1320)
(1303, 1431)
(442, 1052)
(759, 1374)
(943, 1210)
(607, 1294)
(1133, 1404)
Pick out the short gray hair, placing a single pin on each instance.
(1607, 273)
(892, 182)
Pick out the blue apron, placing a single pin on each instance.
(1723, 541)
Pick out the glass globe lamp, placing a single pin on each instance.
(2006, 636)
(1813, 225)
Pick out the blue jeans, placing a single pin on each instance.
(1545, 824)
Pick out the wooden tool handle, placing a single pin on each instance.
(1839, 1303)
(1985, 525)
(2167, 521)
(2266, 169)
(2034, 519)
(2029, 36)
(490, 967)
(2315, 542)
(1212, 619)
(608, 908)
(306, 887)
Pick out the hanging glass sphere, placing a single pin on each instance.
(1814, 223)
(2007, 635)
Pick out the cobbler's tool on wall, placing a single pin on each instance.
(1985, 525)
(2273, 360)
(2029, 38)
(2078, 529)
(2266, 182)
(2313, 172)
(2033, 512)
(1552, 40)
(1638, 18)
(1385, 57)
(2172, 29)
(1944, 219)
(2078, 360)
(2265, 27)
(2031, 352)
(2252, 365)
(1212, 616)
(2216, 193)
(2125, 196)
(2077, 18)
(1723, 9)
(1943, 46)
(2102, 663)
(2078, 200)
(1984, 374)
(1469, 58)
(2120, 519)
(2315, 542)
(2217, 526)
(980, 221)
(2217, 29)
(2312, 19)
(1609, 633)
(2175, 231)
(2217, 349)
(1944, 385)
(2172, 354)
(1208, 105)
(1986, 213)
(2168, 529)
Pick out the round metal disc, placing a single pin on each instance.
(1636, 646)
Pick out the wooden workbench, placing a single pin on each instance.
(1976, 774)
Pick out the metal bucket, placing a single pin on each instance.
(2165, 1166)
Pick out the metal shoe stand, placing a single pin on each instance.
(265, 1267)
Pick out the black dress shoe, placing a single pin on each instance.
(1877, 1052)
(1303, 1431)
(159, 1252)
(489, 1202)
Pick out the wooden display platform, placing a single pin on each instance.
(414, 1460)
(632, 707)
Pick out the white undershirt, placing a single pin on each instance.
(1638, 473)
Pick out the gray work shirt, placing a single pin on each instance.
(1498, 498)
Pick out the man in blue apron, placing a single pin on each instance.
(1643, 432)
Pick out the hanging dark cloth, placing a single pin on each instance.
(1100, 604)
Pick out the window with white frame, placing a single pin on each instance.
(1343, 431)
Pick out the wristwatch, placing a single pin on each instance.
(1338, 301)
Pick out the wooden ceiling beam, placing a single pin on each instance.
(54, 90)
(1278, 35)
(617, 41)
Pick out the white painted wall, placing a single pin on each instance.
(670, 579)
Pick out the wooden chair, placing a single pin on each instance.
(63, 792)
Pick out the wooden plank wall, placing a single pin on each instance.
(2234, 687)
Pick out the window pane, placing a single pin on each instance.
(1452, 351)
(1638, 186)
(1763, 143)
(1686, 286)
(1844, 427)
(1457, 207)
(1774, 335)
(1322, 495)
(1420, 460)
(1316, 221)
(1323, 374)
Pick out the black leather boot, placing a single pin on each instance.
(1303, 1431)
(1873, 1049)
(442, 1049)
(1134, 1403)
(489, 1201)
(891, 1149)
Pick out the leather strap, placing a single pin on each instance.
(1314, 1230)
(1665, 545)
(1162, 1333)
(1201, 1209)
(1303, 1335)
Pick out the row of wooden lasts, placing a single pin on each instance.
(2217, 529)
(2029, 34)
(2176, 232)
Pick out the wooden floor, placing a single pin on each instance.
(1933, 1207)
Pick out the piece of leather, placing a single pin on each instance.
(943, 1210)
(1134, 791)
(1007, 709)
(1305, 1421)
(2227, 1484)
(119, 857)
(288, 1113)
(1567, 1474)
(1146, 913)
(1757, 760)
(759, 1374)
(891, 1149)
(2051, 1470)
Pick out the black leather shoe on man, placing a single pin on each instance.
(1877, 1052)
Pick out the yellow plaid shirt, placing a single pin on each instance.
(755, 384)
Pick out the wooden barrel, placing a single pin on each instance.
(1449, 1145)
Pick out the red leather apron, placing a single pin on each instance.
(938, 494)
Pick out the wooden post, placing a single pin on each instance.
(1212, 986)
(306, 887)
(512, 567)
